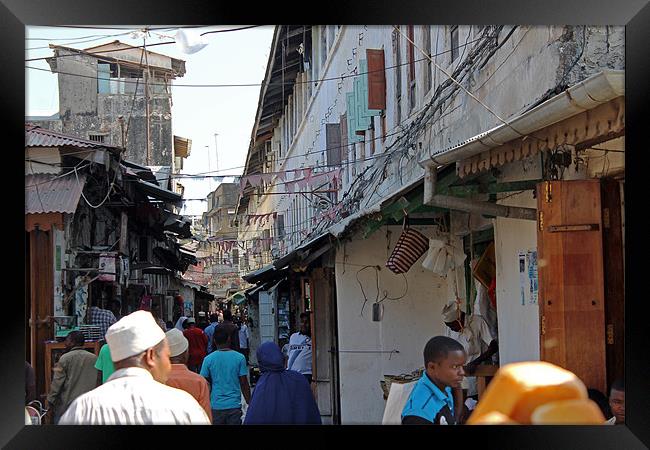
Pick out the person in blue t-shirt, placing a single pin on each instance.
(431, 401)
(226, 372)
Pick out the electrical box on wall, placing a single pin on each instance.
(377, 312)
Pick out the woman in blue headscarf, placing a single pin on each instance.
(280, 396)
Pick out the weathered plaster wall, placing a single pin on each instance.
(407, 323)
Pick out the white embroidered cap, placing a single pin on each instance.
(177, 342)
(133, 334)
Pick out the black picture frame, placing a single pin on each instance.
(634, 14)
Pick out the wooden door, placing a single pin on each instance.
(614, 279)
(571, 278)
(41, 304)
(324, 355)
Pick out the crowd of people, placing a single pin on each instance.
(149, 373)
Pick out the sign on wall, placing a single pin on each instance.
(528, 279)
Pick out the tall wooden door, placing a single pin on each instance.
(571, 278)
(41, 303)
(614, 278)
(324, 346)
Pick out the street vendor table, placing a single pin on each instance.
(483, 374)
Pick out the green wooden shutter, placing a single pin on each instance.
(352, 118)
(363, 122)
(103, 78)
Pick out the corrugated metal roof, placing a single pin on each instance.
(44, 193)
(36, 136)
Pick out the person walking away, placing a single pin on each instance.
(617, 403)
(156, 315)
(231, 328)
(116, 308)
(281, 396)
(74, 375)
(431, 400)
(180, 323)
(226, 370)
(103, 318)
(300, 348)
(136, 394)
(243, 340)
(209, 330)
(181, 377)
(104, 364)
(198, 345)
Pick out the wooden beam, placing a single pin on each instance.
(492, 188)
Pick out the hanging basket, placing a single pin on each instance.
(410, 246)
(402, 379)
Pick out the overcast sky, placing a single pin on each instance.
(198, 113)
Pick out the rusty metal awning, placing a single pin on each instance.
(47, 193)
(35, 136)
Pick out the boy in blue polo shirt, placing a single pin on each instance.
(431, 401)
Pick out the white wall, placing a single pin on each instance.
(406, 326)
(518, 324)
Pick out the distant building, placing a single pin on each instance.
(101, 87)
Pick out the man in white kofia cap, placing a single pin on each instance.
(135, 394)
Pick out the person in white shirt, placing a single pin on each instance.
(135, 394)
(243, 339)
(300, 348)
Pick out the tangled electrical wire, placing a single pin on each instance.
(383, 292)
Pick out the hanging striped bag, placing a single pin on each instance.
(410, 246)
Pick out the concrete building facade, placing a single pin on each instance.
(477, 80)
(105, 94)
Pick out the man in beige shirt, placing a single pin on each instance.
(74, 375)
(183, 378)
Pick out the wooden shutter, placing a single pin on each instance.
(376, 79)
(571, 279)
(411, 52)
(344, 137)
(363, 122)
(266, 244)
(279, 226)
(333, 143)
(352, 118)
(366, 111)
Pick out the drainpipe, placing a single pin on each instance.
(470, 206)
